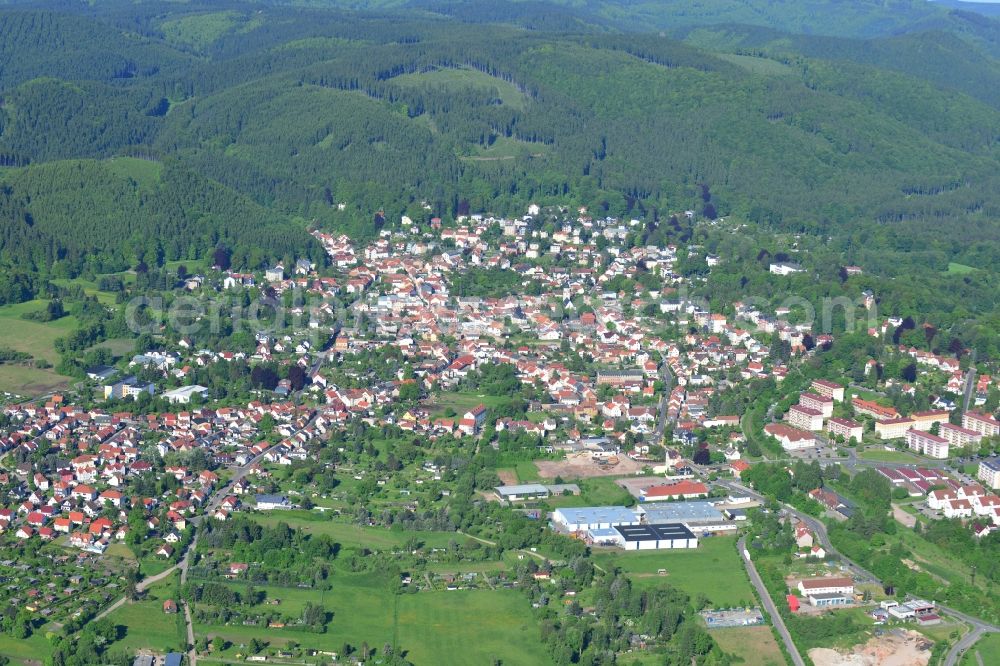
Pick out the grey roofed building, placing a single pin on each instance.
(647, 532)
(101, 372)
(268, 502)
(587, 518)
(514, 493)
(680, 512)
(560, 488)
(523, 491)
(173, 659)
(829, 599)
(143, 660)
(646, 537)
(605, 536)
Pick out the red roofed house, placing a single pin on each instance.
(681, 490)
(738, 467)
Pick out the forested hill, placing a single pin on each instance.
(243, 124)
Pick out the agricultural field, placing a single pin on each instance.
(714, 568)
(430, 627)
(755, 645)
(469, 627)
(37, 339)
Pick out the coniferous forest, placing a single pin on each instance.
(151, 132)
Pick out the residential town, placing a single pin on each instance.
(585, 362)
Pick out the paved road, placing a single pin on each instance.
(970, 383)
(979, 629)
(668, 384)
(769, 606)
(192, 652)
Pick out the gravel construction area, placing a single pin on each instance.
(903, 648)
(582, 466)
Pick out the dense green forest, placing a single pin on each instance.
(150, 132)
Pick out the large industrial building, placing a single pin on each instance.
(656, 537)
(584, 519)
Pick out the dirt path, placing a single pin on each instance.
(507, 477)
(906, 519)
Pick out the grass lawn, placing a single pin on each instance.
(362, 611)
(799, 626)
(757, 65)
(468, 627)
(122, 551)
(960, 269)
(526, 471)
(505, 148)
(456, 627)
(463, 78)
(881, 455)
(150, 566)
(865, 394)
(34, 337)
(118, 346)
(755, 645)
(30, 650)
(937, 561)
(89, 288)
(462, 401)
(713, 568)
(146, 625)
(27, 382)
(598, 491)
(292, 599)
(987, 647)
